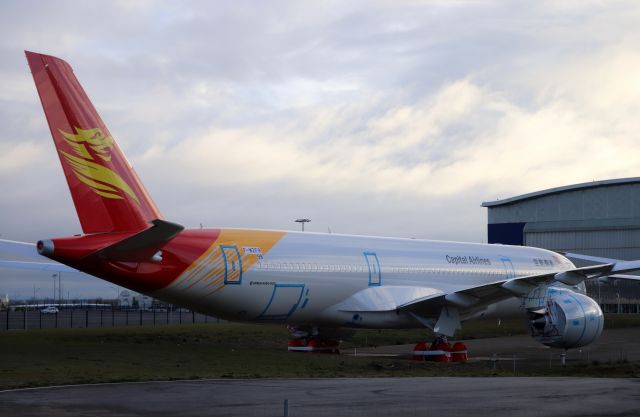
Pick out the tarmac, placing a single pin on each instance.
(369, 397)
(366, 397)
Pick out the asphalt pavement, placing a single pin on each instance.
(355, 397)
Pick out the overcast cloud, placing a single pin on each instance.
(382, 118)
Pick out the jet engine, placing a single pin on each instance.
(568, 320)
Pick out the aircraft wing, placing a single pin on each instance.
(429, 300)
(618, 266)
(596, 259)
(486, 294)
(426, 304)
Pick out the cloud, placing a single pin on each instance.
(384, 118)
(579, 128)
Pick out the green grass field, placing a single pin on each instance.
(53, 357)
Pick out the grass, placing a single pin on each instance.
(479, 329)
(72, 356)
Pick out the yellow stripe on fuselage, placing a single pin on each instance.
(206, 274)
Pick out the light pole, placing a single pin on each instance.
(302, 222)
(59, 276)
(35, 290)
(54, 276)
(117, 291)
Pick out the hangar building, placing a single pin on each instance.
(599, 218)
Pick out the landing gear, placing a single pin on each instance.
(313, 345)
(310, 339)
(440, 351)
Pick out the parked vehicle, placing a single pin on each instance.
(50, 310)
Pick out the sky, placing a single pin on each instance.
(391, 118)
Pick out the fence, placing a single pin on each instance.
(620, 308)
(66, 319)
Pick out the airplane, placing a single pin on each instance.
(314, 283)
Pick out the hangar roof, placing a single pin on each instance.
(558, 190)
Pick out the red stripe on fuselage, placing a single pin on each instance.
(146, 277)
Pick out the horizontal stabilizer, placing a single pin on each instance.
(22, 249)
(141, 246)
(37, 266)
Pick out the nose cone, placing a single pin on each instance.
(45, 248)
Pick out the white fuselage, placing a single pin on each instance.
(306, 278)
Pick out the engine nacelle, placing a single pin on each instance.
(569, 320)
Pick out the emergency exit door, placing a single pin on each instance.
(510, 271)
(232, 264)
(375, 276)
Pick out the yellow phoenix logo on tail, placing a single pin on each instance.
(92, 145)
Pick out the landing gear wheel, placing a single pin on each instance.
(440, 351)
(314, 345)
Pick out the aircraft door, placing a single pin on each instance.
(284, 301)
(232, 264)
(510, 271)
(375, 275)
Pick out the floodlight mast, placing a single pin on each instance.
(302, 222)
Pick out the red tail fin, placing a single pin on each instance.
(106, 191)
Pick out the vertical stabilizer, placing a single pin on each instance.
(107, 193)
